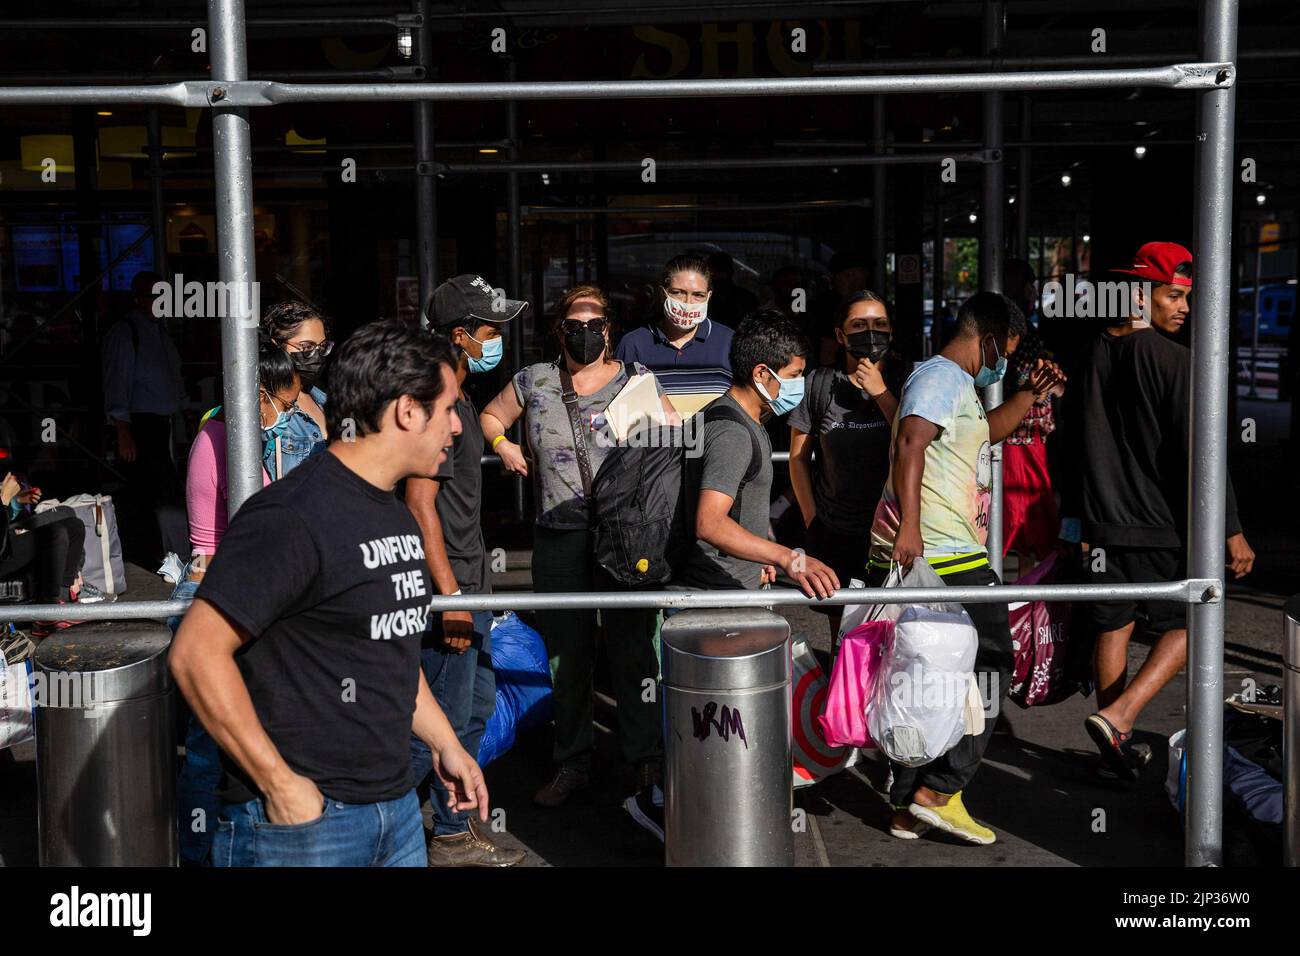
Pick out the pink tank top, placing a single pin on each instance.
(205, 487)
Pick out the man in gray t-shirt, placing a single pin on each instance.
(735, 477)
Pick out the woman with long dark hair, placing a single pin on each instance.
(845, 416)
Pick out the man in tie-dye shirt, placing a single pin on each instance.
(935, 507)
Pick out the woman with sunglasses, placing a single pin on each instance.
(278, 388)
(302, 333)
(558, 453)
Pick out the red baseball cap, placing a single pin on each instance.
(1165, 263)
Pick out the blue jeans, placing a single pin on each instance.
(389, 833)
(200, 773)
(465, 689)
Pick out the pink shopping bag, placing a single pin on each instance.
(853, 681)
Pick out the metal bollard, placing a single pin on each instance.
(106, 746)
(1291, 729)
(727, 758)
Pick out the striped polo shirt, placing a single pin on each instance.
(691, 376)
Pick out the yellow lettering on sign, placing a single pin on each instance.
(679, 52)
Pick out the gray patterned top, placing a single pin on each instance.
(552, 461)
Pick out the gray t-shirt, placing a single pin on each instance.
(852, 450)
(552, 461)
(460, 497)
(727, 450)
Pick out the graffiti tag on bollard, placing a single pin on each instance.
(730, 723)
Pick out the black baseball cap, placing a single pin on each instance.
(469, 300)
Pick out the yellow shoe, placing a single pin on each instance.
(953, 818)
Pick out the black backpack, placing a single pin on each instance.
(642, 500)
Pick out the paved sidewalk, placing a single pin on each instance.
(1038, 787)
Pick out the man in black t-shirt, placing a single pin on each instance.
(1126, 495)
(456, 657)
(301, 652)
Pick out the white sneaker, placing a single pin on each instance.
(172, 568)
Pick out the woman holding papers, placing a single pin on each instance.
(565, 443)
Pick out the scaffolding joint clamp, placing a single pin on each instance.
(1206, 590)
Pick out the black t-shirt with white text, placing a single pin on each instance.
(327, 573)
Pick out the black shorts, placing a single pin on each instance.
(1125, 565)
(846, 554)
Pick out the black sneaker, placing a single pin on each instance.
(647, 809)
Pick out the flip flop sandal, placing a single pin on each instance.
(1112, 746)
(1137, 756)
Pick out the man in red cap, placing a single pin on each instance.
(1167, 266)
(1129, 502)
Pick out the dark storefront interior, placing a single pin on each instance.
(1096, 172)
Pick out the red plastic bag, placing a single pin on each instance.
(1040, 636)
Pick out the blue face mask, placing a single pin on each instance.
(788, 396)
(277, 428)
(493, 349)
(987, 376)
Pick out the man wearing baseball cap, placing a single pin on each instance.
(1129, 502)
(1168, 267)
(455, 655)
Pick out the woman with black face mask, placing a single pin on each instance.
(301, 332)
(845, 416)
(564, 451)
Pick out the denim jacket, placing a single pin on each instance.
(299, 441)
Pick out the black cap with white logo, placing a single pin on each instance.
(469, 300)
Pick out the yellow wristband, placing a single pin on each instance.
(498, 440)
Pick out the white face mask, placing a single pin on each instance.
(685, 316)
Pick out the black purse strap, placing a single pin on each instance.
(575, 422)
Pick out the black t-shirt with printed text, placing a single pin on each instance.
(327, 573)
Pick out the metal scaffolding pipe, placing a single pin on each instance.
(237, 262)
(679, 208)
(514, 267)
(1199, 593)
(712, 162)
(1024, 182)
(1178, 76)
(381, 73)
(992, 206)
(426, 176)
(1026, 62)
(878, 200)
(368, 24)
(1207, 460)
(157, 205)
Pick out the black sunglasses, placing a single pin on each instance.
(573, 325)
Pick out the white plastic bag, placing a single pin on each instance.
(919, 575)
(16, 714)
(917, 713)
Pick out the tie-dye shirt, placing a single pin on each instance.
(956, 483)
